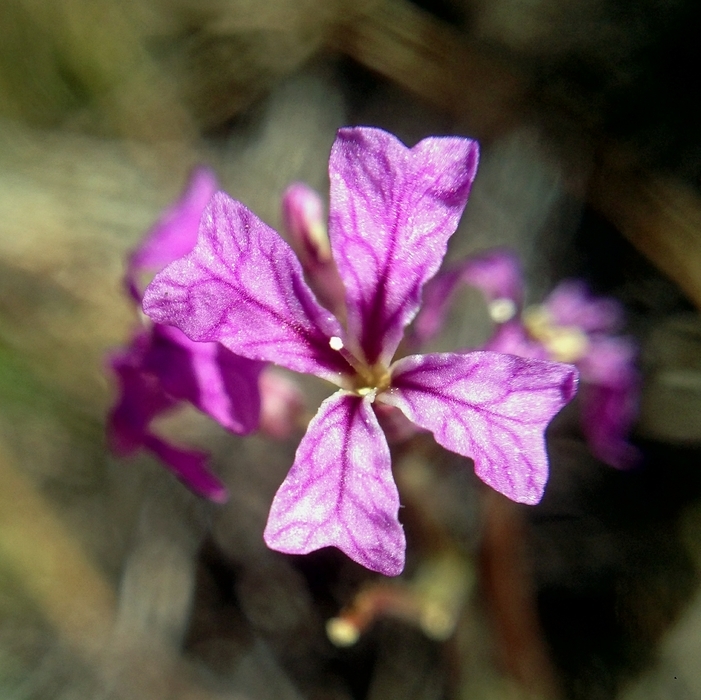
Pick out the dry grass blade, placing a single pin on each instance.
(430, 59)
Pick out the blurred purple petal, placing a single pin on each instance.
(190, 466)
(282, 404)
(572, 304)
(395, 425)
(392, 212)
(340, 491)
(210, 377)
(305, 222)
(497, 273)
(609, 360)
(511, 338)
(243, 286)
(142, 397)
(490, 407)
(437, 297)
(608, 414)
(175, 232)
(609, 401)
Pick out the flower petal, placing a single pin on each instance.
(571, 303)
(609, 361)
(282, 404)
(175, 232)
(608, 413)
(141, 398)
(243, 287)
(497, 273)
(305, 222)
(437, 296)
(340, 491)
(512, 338)
(210, 377)
(392, 211)
(304, 218)
(610, 399)
(190, 466)
(493, 408)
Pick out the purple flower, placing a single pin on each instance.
(392, 210)
(570, 326)
(162, 368)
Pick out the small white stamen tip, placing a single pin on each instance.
(341, 632)
(336, 343)
(502, 310)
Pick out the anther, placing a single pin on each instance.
(502, 310)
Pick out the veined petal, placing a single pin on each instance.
(491, 407)
(175, 232)
(392, 211)
(210, 377)
(243, 287)
(340, 491)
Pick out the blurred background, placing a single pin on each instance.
(116, 582)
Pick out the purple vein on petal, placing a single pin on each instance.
(212, 378)
(175, 232)
(392, 211)
(493, 408)
(242, 286)
(340, 491)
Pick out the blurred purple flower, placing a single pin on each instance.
(392, 212)
(570, 326)
(282, 404)
(305, 224)
(162, 368)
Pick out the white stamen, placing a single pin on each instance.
(336, 343)
(342, 633)
(502, 310)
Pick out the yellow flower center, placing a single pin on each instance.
(563, 343)
(365, 378)
(369, 379)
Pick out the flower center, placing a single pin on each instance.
(365, 378)
(563, 343)
(376, 378)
